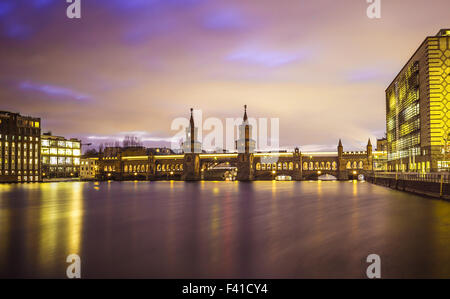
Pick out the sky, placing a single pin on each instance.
(130, 67)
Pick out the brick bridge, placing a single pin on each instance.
(135, 163)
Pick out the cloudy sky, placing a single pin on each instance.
(320, 66)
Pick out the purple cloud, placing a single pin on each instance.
(266, 58)
(224, 20)
(5, 8)
(54, 90)
(365, 75)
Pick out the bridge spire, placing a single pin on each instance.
(191, 121)
(245, 113)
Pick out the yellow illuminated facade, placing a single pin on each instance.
(418, 109)
(89, 168)
(60, 157)
(19, 148)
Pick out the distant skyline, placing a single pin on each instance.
(129, 67)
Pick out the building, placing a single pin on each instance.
(418, 109)
(89, 168)
(382, 145)
(19, 148)
(60, 156)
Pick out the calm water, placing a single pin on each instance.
(221, 230)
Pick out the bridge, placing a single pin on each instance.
(244, 165)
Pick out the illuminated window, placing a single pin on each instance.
(68, 152)
(76, 161)
(53, 151)
(76, 152)
(53, 161)
(258, 166)
(305, 166)
(291, 166)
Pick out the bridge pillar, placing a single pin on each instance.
(245, 171)
(191, 167)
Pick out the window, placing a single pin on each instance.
(53, 161)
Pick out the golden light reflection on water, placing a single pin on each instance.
(5, 233)
(355, 188)
(48, 227)
(75, 219)
(214, 232)
(60, 221)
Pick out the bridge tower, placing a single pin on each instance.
(245, 147)
(342, 173)
(298, 172)
(192, 150)
(369, 156)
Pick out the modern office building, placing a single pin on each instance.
(19, 148)
(60, 156)
(418, 109)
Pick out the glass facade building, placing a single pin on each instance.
(418, 109)
(60, 157)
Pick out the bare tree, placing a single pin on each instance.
(131, 141)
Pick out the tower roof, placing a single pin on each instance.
(340, 143)
(245, 113)
(191, 121)
(369, 143)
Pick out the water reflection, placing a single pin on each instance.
(221, 229)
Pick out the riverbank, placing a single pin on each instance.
(436, 189)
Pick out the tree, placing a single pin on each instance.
(131, 141)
